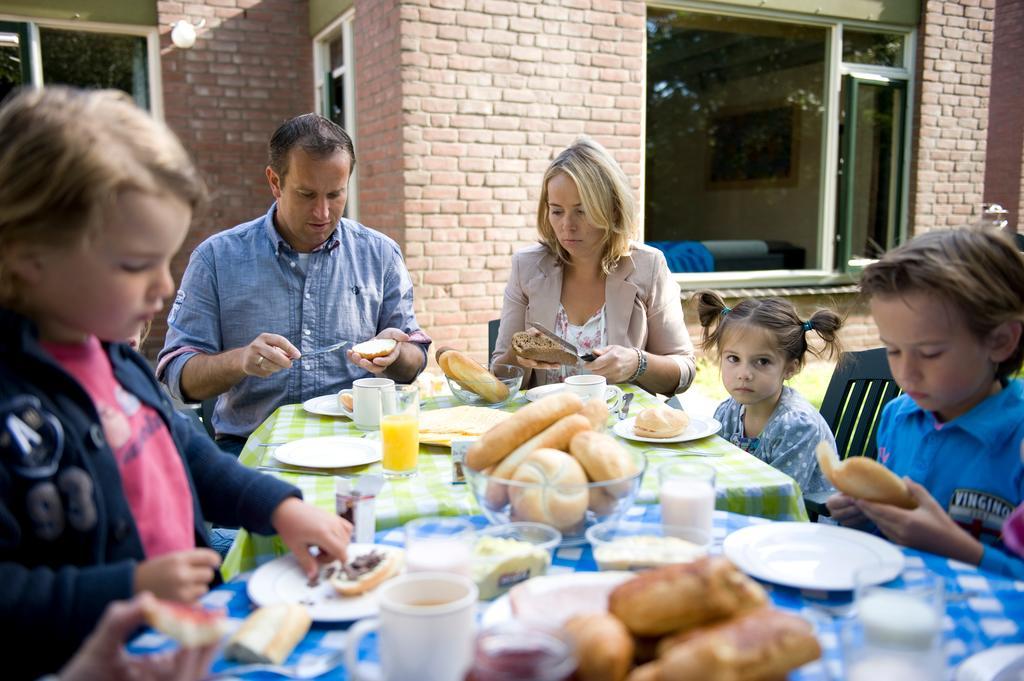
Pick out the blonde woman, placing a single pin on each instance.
(592, 285)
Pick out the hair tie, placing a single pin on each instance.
(726, 310)
(808, 325)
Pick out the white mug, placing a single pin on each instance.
(587, 386)
(366, 397)
(426, 628)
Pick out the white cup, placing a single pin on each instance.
(366, 398)
(587, 386)
(426, 626)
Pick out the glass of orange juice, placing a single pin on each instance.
(399, 430)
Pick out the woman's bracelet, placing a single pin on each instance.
(641, 366)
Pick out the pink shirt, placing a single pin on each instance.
(152, 472)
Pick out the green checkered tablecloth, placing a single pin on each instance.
(744, 484)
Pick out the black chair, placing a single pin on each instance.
(206, 414)
(860, 387)
(492, 338)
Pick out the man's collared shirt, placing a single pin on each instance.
(247, 280)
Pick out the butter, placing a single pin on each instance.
(498, 564)
(645, 551)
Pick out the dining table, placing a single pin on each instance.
(744, 484)
(982, 609)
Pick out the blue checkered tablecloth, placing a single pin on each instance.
(983, 610)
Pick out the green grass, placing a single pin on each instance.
(811, 382)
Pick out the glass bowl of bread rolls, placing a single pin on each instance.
(472, 384)
(551, 463)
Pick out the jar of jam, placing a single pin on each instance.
(520, 652)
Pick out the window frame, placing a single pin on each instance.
(154, 81)
(829, 189)
(343, 25)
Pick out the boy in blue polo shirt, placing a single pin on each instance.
(950, 309)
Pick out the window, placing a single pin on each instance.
(746, 146)
(335, 86)
(82, 55)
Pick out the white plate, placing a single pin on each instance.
(612, 393)
(810, 555)
(326, 405)
(283, 581)
(501, 609)
(697, 429)
(994, 664)
(336, 451)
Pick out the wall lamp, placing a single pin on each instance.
(183, 33)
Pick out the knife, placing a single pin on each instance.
(569, 347)
(626, 401)
(322, 351)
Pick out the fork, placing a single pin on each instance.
(308, 667)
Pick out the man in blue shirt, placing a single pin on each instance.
(254, 298)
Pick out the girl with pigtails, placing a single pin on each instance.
(760, 344)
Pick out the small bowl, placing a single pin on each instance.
(511, 376)
(506, 501)
(540, 535)
(638, 546)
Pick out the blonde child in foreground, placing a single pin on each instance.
(949, 307)
(761, 344)
(103, 492)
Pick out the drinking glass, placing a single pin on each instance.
(897, 632)
(436, 544)
(686, 491)
(399, 431)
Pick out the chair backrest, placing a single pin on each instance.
(860, 386)
(492, 337)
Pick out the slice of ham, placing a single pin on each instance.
(553, 600)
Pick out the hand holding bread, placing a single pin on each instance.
(864, 478)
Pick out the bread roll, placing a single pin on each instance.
(601, 456)
(756, 646)
(497, 442)
(191, 626)
(679, 597)
(604, 648)
(541, 349)
(375, 347)
(269, 634)
(367, 571)
(559, 497)
(556, 436)
(864, 478)
(472, 376)
(660, 422)
(346, 401)
(596, 412)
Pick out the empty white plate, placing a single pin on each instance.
(336, 451)
(810, 555)
(697, 429)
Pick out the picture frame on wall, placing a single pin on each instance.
(755, 146)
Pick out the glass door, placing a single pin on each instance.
(870, 208)
(15, 69)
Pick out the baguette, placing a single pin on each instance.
(679, 597)
(367, 571)
(756, 646)
(556, 436)
(500, 440)
(604, 648)
(472, 376)
(864, 478)
(541, 349)
(269, 634)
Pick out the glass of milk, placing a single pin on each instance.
(436, 544)
(686, 491)
(897, 631)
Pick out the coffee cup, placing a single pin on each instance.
(367, 394)
(426, 628)
(587, 386)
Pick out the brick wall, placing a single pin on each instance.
(250, 70)
(954, 67)
(491, 91)
(1003, 176)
